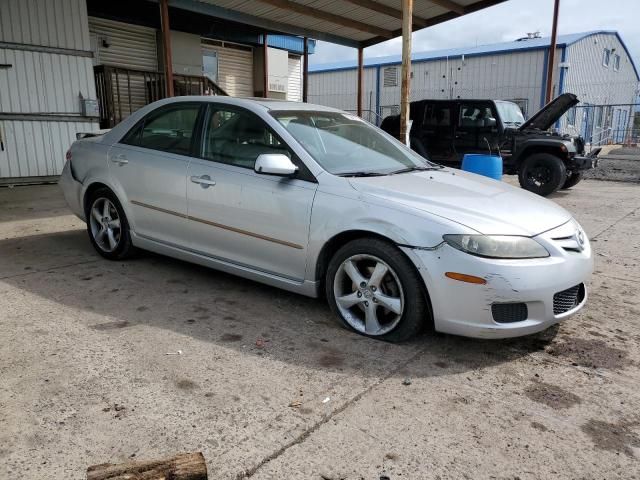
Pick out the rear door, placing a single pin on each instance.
(436, 134)
(237, 215)
(149, 168)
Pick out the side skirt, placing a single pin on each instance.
(306, 287)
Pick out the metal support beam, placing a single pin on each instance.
(387, 10)
(318, 14)
(552, 52)
(449, 5)
(166, 47)
(407, 13)
(265, 63)
(360, 79)
(305, 71)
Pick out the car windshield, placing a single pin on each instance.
(346, 145)
(510, 114)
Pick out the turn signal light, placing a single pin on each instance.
(462, 277)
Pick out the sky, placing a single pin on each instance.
(506, 22)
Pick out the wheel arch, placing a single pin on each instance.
(332, 245)
(548, 148)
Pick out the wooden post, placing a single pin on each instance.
(552, 51)
(407, 13)
(186, 466)
(360, 79)
(166, 47)
(265, 54)
(305, 71)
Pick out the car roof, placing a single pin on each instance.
(271, 104)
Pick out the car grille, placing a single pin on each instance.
(568, 299)
(509, 312)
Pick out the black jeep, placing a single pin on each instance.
(444, 130)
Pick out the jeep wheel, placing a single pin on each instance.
(572, 180)
(542, 173)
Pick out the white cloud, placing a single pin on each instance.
(506, 22)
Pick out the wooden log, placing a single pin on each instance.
(185, 466)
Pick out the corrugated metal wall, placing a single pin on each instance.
(37, 148)
(130, 46)
(501, 77)
(54, 23)
(235, 67)
(598, 85)
(294, 88)
(40, 109)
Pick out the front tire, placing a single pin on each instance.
(375, 290)
(572, 180)
(107, 226)
(542, 173)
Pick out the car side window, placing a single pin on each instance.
(437, 115)
(237, 137)
(168, 130)
(476, 116)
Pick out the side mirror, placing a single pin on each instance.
(490, 122)
(274, 164)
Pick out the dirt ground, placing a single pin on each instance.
(105, 361)
(621, 164)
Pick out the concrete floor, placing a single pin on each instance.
(87, 378)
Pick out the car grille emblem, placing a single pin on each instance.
(580, 239)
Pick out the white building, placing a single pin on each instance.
(596, 66)
(69, 66)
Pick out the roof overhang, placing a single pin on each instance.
(354, 23)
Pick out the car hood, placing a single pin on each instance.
(551, 112)
(482, 204)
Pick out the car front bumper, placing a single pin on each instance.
(584, 162)
(466, 309)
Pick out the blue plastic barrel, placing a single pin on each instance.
(482, 164)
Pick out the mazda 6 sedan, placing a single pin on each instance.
(319, 202)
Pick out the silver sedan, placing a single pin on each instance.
(316, 201)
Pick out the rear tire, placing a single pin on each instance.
(542, 173)
(107, 226)
(375, 290)
(572, 180)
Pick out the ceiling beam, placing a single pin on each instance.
(449, 5)
(328, 17)
(387, 10)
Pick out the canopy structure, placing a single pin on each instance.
(354, 23)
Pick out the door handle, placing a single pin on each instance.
(204, 181)
(120, 159)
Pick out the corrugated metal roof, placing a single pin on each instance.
(355, 23)
(504, 47)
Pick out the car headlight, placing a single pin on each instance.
(497, 246)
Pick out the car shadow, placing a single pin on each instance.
(210, 306)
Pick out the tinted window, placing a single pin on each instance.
(169, 130)
(437, 116)
(237, 138)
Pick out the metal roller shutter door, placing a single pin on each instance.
(294, 90)
(235, 69)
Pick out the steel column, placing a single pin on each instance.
(166, 47)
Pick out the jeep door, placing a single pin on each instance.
(436, 132)
(476, 129)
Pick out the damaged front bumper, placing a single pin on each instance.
(585, 162)
(534, 286)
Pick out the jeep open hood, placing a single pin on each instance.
(551, 112)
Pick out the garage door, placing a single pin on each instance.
(235, 67)
(123, 44)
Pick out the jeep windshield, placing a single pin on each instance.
(346, 145)
(510, 114)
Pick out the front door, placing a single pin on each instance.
(238, 215)
(476, 129)
(149, 171)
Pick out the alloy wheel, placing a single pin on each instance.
(105, 224)
(368, 294)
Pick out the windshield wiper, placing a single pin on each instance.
(416, 169)
(361, 174)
